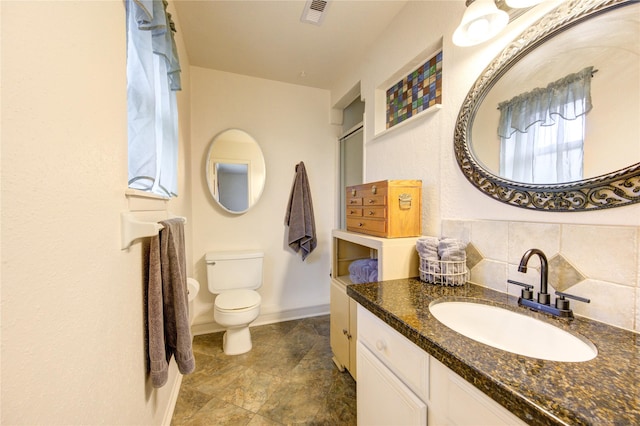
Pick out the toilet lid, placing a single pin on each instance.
(237, 299)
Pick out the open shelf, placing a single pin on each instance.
(397, 257)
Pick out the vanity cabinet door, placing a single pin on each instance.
(454, 401)
(402, 357)
(342, 328)
(382, 398)
(353, 326)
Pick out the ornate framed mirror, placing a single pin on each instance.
(600, 35)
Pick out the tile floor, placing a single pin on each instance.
(287, 378)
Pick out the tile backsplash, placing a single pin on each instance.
(594, 261)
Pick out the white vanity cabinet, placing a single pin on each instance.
(399, 383)
(454, 401)
(397, 258)
(392, 387)
(383, 399)
(343, 328)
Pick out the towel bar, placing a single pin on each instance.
(132, 228)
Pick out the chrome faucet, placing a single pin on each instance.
(543, 304)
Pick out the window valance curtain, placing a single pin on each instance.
(568, 98)
(153, 76)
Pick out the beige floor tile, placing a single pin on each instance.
(287, 378)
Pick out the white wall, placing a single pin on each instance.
(291, 124)
(423, 149)
(72, 309)
(73, 340)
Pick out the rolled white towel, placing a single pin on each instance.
(430, 261)
(428, 248)
(363, 271)
(427, 244)
(452, 250)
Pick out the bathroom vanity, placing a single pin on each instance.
(410, 362)
(396, 378)
(397, 258)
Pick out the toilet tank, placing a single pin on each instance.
(233, 270)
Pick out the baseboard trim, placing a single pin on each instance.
(267, 318)
(173, 399)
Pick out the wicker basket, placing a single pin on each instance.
(449, 273)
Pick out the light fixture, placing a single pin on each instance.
(521, 4)
(481, 21)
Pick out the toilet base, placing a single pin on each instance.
(236, 341)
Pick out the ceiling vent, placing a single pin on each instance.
(314, 11)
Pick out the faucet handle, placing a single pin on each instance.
(562, 303)
(526, 291)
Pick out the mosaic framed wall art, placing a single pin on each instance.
(420, 90)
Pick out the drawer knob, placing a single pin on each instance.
(353, 192)
(371, 213)
(371, 201)
(381, 345)
(374, 189)
(361, 224)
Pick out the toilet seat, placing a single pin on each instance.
(237, 300)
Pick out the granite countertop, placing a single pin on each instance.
(602, 391)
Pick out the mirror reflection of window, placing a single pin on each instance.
(545, 154)
(235, 171)
(233, 185)
(542, 131)
(603, 35)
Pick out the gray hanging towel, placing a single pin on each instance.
(299, 218)
(168, 306)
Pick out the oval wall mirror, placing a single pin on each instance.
(235, 170)
(597, 39)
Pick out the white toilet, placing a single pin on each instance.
(193, 287)
(234, 276)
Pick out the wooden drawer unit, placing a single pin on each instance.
(388, 208)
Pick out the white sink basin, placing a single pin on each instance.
(512, 332)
